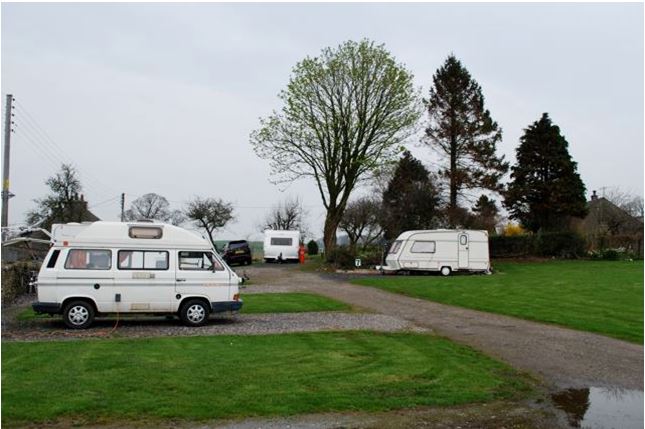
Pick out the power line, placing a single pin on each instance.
(48, 140)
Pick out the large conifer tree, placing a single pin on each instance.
(545, 189)
(411, 200)
(462, 131)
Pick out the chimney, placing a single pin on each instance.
(594, 197)
(82, 199)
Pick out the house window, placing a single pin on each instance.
(143, 260)
(148, 232)
(281, 241)
(88, 259)
(199, 261)
(423, 247)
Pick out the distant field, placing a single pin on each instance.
(598, 296)
(125, 382)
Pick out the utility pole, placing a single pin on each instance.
(8, 124)
(122, 207)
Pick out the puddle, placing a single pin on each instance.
(601, 408)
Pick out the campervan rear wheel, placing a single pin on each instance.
(194, 313)
(78, 315)
(445, 271)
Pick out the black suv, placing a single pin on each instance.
(237, 252)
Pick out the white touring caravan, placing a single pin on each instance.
(281, 245)
(140, 267)
(443, 250)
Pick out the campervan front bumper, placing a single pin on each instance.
(46, 307)
(221, 307)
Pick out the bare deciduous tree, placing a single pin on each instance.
(287, 215)
(153, 206)
(210, 214)
(361, 222)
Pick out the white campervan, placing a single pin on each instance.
(141, 267)
(443, 250)
(281, 245)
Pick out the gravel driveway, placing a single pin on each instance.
(562, 357)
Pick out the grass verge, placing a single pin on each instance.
(290, 303)
(201, 378)
(605, 297)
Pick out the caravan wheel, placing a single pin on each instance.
(445, 271)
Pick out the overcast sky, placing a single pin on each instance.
(162, 97)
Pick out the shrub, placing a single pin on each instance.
(514, 246)
(15, 279)
(342, 257)
(371, 257)
(564, 245)
(513, 230)
(312, 248)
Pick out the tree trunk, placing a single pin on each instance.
(331, 225)
(452, 213)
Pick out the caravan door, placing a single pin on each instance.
(463, 250)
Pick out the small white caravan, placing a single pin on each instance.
(281, 245)
(443, 250)
(141, 267)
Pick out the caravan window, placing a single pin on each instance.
(395, 247)
(423, 247)
(281, 241)
(88, 259)
(142, 260)
(199, 261)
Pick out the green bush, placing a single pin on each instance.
(617, 254)
(515, 246)
(371, 257)
(15, 279)
(312, 248)
(565, 245)
(342, 257)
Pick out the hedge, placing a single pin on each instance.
(15, 279)
(564, 245)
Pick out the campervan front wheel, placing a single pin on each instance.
(194, 313)
(445, 271)
(78, 315)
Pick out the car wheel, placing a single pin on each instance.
(445, 271)
(78, 315)
(194, 313)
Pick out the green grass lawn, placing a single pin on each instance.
(200, 378)
(289, 303)
(257, 303)
(598, 296)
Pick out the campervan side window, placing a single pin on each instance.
(142, 260)
(145, 232)
(423, 247)
(88, 259)
(52, 260)
(395, 247)
(199, 261)
(281, 241)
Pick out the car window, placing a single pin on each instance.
(199, 261)
(142, 260)
(88, 259)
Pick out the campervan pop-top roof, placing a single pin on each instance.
(126, 234)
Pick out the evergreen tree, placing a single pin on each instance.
(485, 214)
(545, 189)
(411, 200)
(462, 132)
